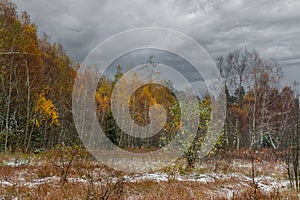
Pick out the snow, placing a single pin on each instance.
(16, 163)
(265, 183)
(158, 177)
(77, 180)
(37, 182)
(232, 183)
(6, 183)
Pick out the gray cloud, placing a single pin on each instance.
(270, 26)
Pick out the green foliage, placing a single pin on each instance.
(111, 129)
(190, 149)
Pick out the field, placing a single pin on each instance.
(67, 173)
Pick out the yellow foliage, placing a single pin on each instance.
(37, 123)
(104, 103)
(47, 109)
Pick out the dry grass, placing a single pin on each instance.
(193, 190)
(44, 176)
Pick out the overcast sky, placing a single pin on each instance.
(270, 26)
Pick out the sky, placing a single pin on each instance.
(272, 27)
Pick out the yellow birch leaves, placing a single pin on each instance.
(47, 110)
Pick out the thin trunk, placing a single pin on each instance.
(29, 139)
(8, 108)
(28, 103)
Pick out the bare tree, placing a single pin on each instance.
(234, 68)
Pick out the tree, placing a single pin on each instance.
(265, 79)
(30, 67)
(234, 68)
(258, 112)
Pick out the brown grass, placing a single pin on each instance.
(87, 179)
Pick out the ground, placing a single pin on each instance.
(70, 174)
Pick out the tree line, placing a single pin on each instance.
(261, 112)
(37, 77)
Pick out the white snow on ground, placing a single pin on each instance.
(228, 189)
(158, 177)
(41, 181)
(204, 178)
(6, 184)
(37, 182)
(77, 180)
(268, 184)
(265, 183)
(16, 163)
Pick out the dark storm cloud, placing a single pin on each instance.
(270, 26)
